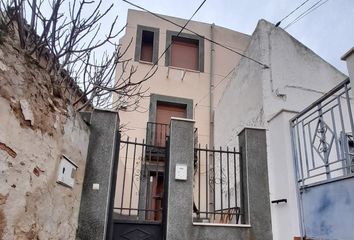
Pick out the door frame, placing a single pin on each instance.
(157, 98)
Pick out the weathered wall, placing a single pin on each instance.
(256, 97)
(242, 102)
(36, 128)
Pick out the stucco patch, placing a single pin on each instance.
(26, 111)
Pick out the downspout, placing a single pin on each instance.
(211, 85)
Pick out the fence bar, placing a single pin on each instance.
(299, 148)
(142, 171)
(214, 181)
(154, 201)
(206, 180)
(235, 176)
(221, 198)
(132, 180)
(305, 148)
(125, 170)
(228, 179)
(199, 163)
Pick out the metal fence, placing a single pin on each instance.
(322, 137)
(140, 181)
(217, 186)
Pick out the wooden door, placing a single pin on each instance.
(163, 117)
(157, 197)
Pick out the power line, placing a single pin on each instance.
(305, 13)
(197, 34)
(302, 4)
(216, 85)
(168, 47)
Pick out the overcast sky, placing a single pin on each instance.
(328, 30)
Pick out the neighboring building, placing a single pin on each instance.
(268, 99)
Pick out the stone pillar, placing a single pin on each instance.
(349, 58)
(180, 192)
(256, 203)
(97, 204)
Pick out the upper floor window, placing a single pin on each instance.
(186, 51)
(147, 41)
(147, 46)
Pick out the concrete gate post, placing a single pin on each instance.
(180, 192)
(256, 203)
(100, 176)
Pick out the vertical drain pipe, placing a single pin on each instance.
(211, 85)
(211, 105)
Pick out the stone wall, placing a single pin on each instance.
(36, 128)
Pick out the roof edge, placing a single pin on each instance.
(347, 54)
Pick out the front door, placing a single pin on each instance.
(156, 196)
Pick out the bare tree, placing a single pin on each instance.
(68, 34)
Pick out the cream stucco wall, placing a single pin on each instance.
(169, 81)
(268, 98)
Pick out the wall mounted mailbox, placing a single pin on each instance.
(66, 172)
(181, 172)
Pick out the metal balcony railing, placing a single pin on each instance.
(157, 133)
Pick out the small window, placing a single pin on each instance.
(147, 46)
(185, 53)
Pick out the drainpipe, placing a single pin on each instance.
(211, 85)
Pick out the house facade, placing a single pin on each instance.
(191, 74)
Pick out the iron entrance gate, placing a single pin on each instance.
(322, 137)
(140, 189)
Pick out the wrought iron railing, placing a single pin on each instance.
(157, 133)
(217, 186)
(140, 181)
(322, 137)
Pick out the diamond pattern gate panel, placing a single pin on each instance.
(322, 138)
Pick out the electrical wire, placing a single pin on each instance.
(305, 13)
(216, 85)
(302, 4)
(197, 34)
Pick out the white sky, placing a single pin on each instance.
(328, 31)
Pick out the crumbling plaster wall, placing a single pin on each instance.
(36, 127)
